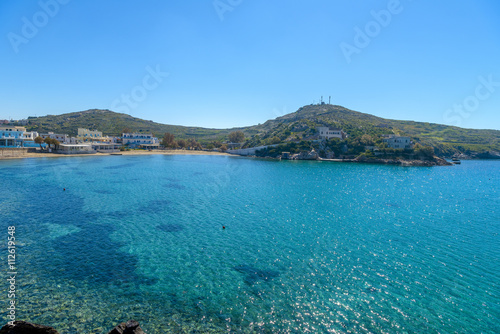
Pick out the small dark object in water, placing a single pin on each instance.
(372, 289)
(223, 227)
(64, 189)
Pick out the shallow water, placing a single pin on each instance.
(307, 246)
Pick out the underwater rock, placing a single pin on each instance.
(22, 327)
(252, 274)
(175, 186)
(129, 327)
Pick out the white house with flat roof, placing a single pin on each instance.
(325, 132)
(30, 136)
(29, 139)
(75, 149)
(140, 140)
(86, 135)
(106, 147)
(12, 136)
(62, 138)
(398, 142)
(16, 136)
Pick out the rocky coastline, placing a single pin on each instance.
(422, 162)
(434, 161)
(488, 155)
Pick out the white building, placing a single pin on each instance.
(115, 140)
(86, 135)
(249, 151)
(106, 147)
(29, 139)
(398, 142)
(17, 136)
(75, 149)
(325, 132)
(140, 140)
(20, 122)
(12, 136)
(62, 138)
(30, 135)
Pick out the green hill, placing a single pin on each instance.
(294, 127)
(112, 124)
(446, 140)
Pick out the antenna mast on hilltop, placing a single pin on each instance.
(329, 100)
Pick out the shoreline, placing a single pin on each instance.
(434, 162)
(396, 162)
(123, 153)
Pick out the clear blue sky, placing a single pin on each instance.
(236, 63)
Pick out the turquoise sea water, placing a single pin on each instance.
(308, 247)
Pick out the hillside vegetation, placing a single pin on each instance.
(362, 129)
(301, 125)
(112, 124)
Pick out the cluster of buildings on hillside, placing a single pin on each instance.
(392, 141)
(326, 133)
(87, 141)
(20, 122)
(92, 141)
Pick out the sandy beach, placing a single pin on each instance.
(133, 152)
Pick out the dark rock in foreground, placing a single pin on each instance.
(22, 327)
(129, 327)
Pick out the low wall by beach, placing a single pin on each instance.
(12, 152)
(249, 151)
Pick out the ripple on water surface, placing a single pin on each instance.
(307, 247)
